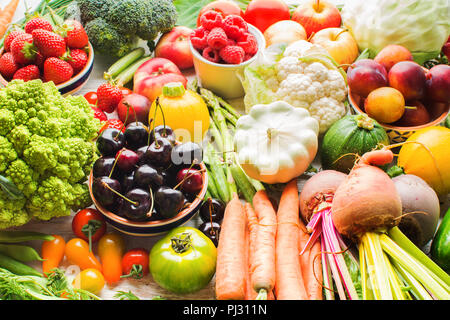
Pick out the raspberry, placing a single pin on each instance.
(211, 19)
(248, 43)
(198, 38)
(235, 26)
(217, 39)
(232, 54)
(211, 54)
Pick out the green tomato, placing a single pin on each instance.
(184, 261)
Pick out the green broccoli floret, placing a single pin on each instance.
(123, 15)
(46, 151)
(92, 9)
(107, 40)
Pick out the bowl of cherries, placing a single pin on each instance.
(146, 182)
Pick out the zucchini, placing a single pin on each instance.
(440, 247)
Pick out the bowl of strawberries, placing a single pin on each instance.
(41, 50)
(222, 46)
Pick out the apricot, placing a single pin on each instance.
(391, 54)
(385, 104)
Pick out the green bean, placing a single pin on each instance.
(17, 267)
(20, 252)
(20, 236)
(212, 188)
(244, 185)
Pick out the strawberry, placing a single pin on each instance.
(57, 70)
(27, 73)
(74, 34)
(232, 54)
(77, 58)
(10, 37)
(8, 66)
(37, 23)
(217, 39)
(39, 60)
(23, 49)
(98, 113)
(113, 123)
(108, 97)
(49, 44)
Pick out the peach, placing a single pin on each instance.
(391, 54)
(366, 75)
(415, 115)
(409, 78)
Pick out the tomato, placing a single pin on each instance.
(89, 225)
(184, 261)
(91, 97)
(225, 7)
(52, 252)
(263, 13)
(135, 263)
(78, 253)
(113, 123)
(90, 280)
(110, 250)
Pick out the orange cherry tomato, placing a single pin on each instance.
(90, 280)
(52, 252)
(91, 97)
(77, 252)
(110, 250)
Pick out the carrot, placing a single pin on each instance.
(289, 281)
(252, 226)
(263, 262)
(232, 266)
(7, 15)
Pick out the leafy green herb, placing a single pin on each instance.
(122, 295)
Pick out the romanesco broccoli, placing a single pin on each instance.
(46, 151)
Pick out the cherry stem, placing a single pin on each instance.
(187, 176)
(149, 213)
(119, 194)
(115, 161)
(210, 215)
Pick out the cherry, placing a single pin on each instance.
(103, 166)
(105, 190)
(127, 181)
(159, 153)
(190, 180)
(187, 153)
(212, 209)
(127, 160)
(169, 202)
(162, 131)
(136, 135)
(137, 205)
(110, 141)
(211, 230)
(146, 176)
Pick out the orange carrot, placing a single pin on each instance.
(7, 15)
(289, 281)
(232, 266)
(252, 226)
(263, 264)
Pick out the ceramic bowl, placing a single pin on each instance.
(396, 134)
(223, 79)
(75, 83)
(156, 227)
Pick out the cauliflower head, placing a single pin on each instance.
(46, 152)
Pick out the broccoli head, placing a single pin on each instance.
(91, 9)
(160, 17)
(46, 152)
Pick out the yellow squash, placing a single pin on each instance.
(426, 154)
(183, 110)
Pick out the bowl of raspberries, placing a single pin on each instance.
(222, 47)
(41, 50)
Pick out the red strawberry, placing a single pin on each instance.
(74, 34)
(27, 73)
(37, 23)
(50, 44)
(217, 39)
(211, 19)
(10, 37)
(39, 60)
(98, 113)
(232, 54)
(108, 97)
(113, 123)
(57, 70)
(8, 65)
(77, 58)
(234, 26)
(23, 49)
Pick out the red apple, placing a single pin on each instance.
(415, 115)
(137, 106)
(408, 77)
(438, 83)
(315, 15)
(366, 75)
(152, 75)
(174, 46)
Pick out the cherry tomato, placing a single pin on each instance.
(89, 225)
(91, 97)
(125, 91)
(225, 7)
(52, 252)
(90, 280)
(135, 263)
(113, 123)
(77, 252)
(99, 114)
(110, 250)
(263, 13)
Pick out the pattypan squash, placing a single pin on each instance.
(276, 142)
